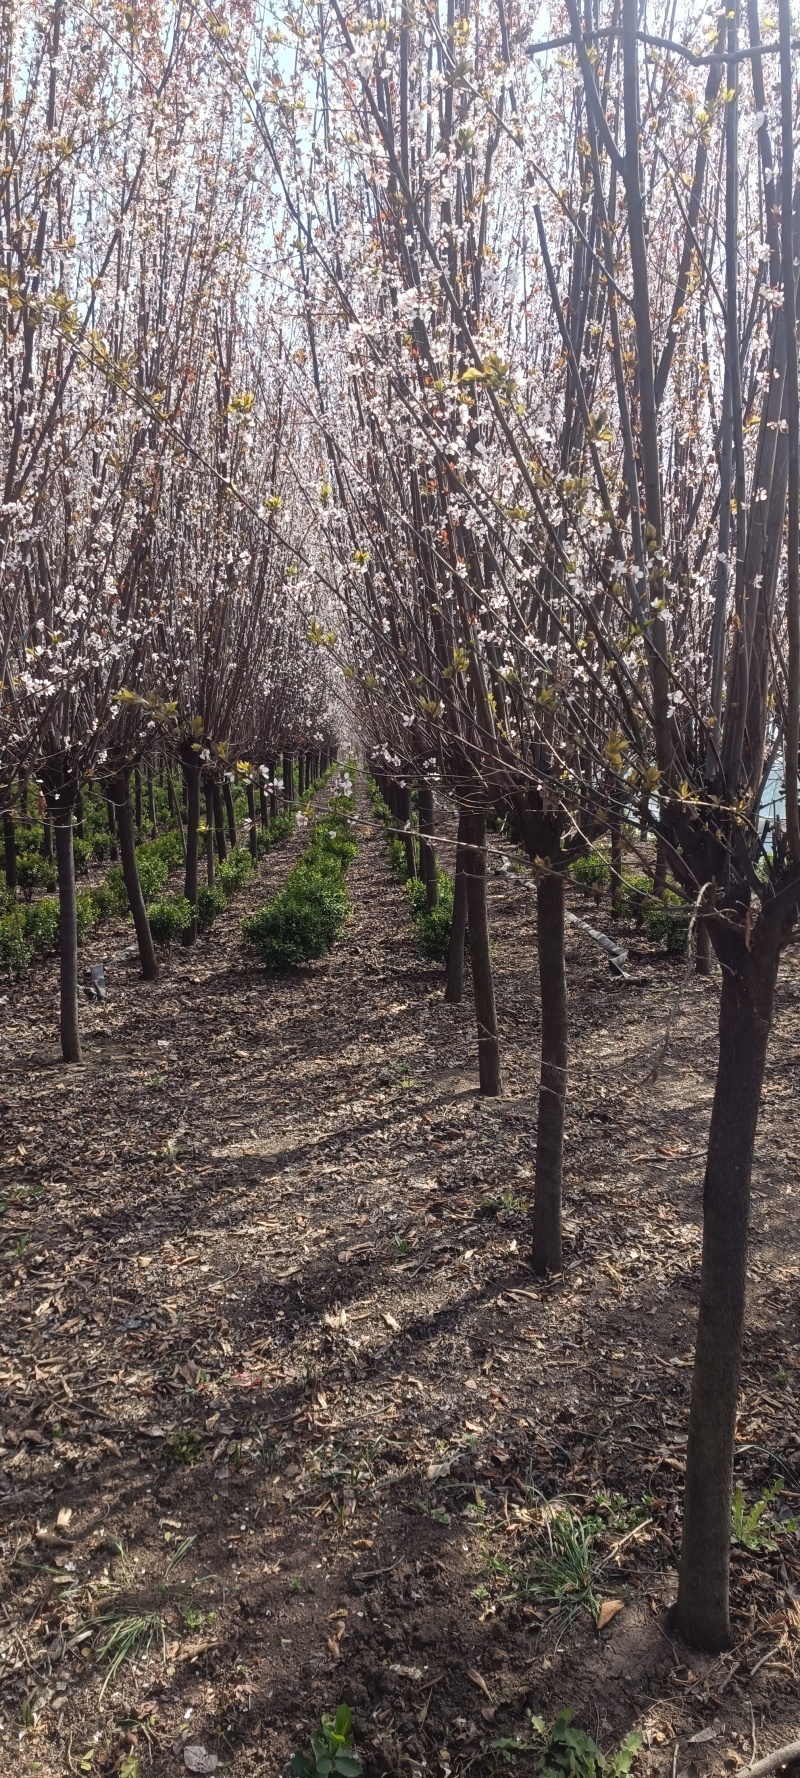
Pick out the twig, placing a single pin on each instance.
(783, 1756)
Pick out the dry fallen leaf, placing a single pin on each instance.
(474, 1675)
(196, 1759)
(64, 1517)
(608, 1610)
(390, 1321)
(406, 1672)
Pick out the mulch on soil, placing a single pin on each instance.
(275, 1374)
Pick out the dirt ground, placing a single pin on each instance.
(277, 1381)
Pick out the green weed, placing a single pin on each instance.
(331, 1749)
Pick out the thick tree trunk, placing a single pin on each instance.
(211, 801)
(301, 774)
(80, 824)
(216, 818)
(546, 1249)
(263, 801)
(288, 780)
(427, 854)
(9, 842)
(702, 948)
(47, 840)
(480, 953)
(230, 814)
(251, 811)
(745, 1017)
(130, 872)
(454, 992)
(137, 789)
(191, 778)
(67, 931)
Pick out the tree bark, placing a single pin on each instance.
(546, 1253)
(702, 1612)
(480, 953)
(47, 839)
(454, 992)
(137, 785)
(211, 811)
(251, 810)
(427, 853)
(288, 780)
(216, 819)
(230, 814)
(80, 824)
(67, 931)
(660, 874)
(130, 872)
(191, 779)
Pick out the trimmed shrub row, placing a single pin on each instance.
(306, 916)
(664, 921)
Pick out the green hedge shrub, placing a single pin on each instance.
(306, 916)
(83, 852)
(669, 920)
(15, 952)
(169, 918)
(591, 871)
(433, 927)
(34, 872)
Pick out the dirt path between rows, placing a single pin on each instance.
(265, 1289)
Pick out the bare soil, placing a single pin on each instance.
(276, 1375)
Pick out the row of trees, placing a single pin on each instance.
(410, 352)
(153, 599)
(550, 296)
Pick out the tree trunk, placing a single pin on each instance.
(251, 810)
(745, 1017)
(702, 948)
(480, 954)
(230, 814)
(301, 774)
(47, 839)
(546, 1252)
(216, 821)
(112, 828)
(263, 802)
(211, 811)
(80, 824)
(454, 992)
(288, 780)
(151, 805)
(137, 791)
(9, 842)
(67, 931)
(130, 872)
(427, 854)
(191, 779)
